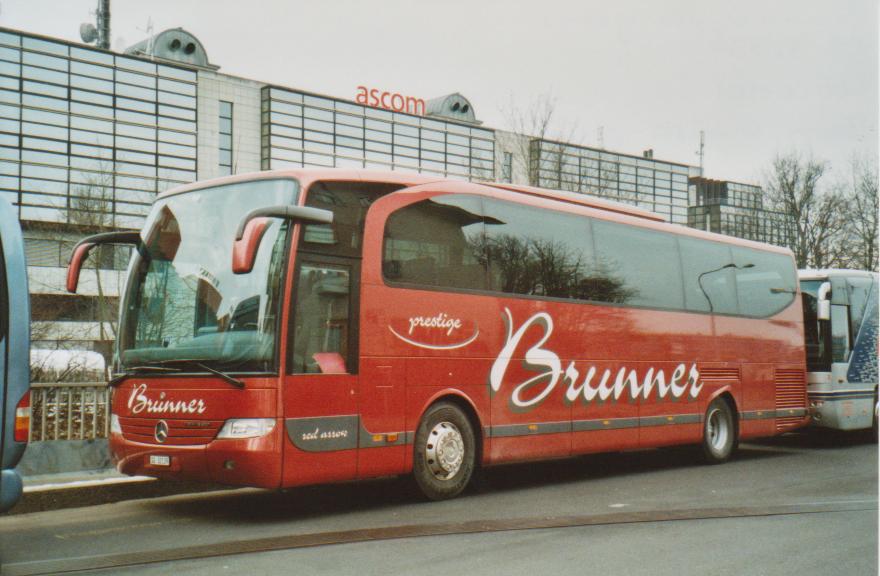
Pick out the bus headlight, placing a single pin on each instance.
(246, 428)
(115, 427)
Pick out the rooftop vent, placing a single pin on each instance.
(452, 106)
(176, 45)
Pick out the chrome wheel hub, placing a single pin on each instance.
(717, 430)
(444, 450)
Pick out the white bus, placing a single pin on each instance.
(840, 327)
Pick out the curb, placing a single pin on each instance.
(57, 492)
(72, 484)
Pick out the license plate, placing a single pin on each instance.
(156, 460)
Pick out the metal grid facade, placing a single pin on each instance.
(88, 137)
(300, 129)
(705, 191)
(661, 187)
(737, 209)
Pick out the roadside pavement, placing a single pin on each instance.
(44, 492)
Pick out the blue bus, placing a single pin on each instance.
(14, 355)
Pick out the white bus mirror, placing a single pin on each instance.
(823, 310)
(823, 302)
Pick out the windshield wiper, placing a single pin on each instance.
(166, 365)
(226, 377)
(118, 378)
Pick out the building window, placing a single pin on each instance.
(507, 167)
(225, 138)
(306, 130)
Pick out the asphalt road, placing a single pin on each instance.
(796, 504)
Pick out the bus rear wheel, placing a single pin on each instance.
(719, 432)
(444, 452)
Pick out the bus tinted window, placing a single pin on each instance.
(437, 242)
(349, 202)
(767, 286)
(452, 241)
(537, 252)
(840, 337)
(858, 296)
(321, 317)
(644, 264)
(708, 284)
(815, 332)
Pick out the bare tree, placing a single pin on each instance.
(793, 188)
(88, 210)
(862, 207)
(538, 146)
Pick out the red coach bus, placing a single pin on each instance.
(298, 327)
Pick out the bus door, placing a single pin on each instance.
(853, 352)
(321, 391)
(841, 337)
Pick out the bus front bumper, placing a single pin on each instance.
(10, 489)
(842, 412)
(236, 462)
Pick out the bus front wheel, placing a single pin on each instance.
(444, 452)
(719, 432)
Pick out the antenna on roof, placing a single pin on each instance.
(150, 39)
(701, 152)
(99, 32)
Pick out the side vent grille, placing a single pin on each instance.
(719, 374)
(791, 393)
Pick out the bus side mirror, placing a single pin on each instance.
(823, 302)
(244, 250)
(84, 246)
(80, 253)
(253, 227)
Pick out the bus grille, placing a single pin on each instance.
(180, 432)
(791, 393)
(719, 374)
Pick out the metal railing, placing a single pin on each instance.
(69, 411)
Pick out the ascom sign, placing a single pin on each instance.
(376, 98)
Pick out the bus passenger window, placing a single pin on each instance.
(437, 242)
(321, 317)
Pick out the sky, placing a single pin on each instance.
(759, 77)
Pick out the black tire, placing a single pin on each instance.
(444, 452)
(719, 432)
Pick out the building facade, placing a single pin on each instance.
(89, 137)
(655, 185)
(737, 209)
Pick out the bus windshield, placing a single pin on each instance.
(183, 302)
(815, 332)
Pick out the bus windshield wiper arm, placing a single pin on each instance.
(166, 365)
(226, 377)
(118, 378)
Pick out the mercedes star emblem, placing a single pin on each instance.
(161, 431)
